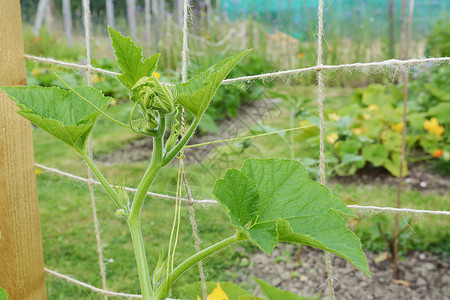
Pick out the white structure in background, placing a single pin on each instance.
(67, 19)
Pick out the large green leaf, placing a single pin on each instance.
(61, 113)
(130, 59)
(196, 94)
(274, 293)
(287, 206)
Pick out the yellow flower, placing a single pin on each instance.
(217, 294)
(333, 117)
(305, 123)
(332, 138)
(356, 131)
(331, 49)
(366, 116)
(301, 55)
(156, 75)
(372, 107)
(37, 171)
(95, 78)
(36, 72)
(433, 127)
(397, 127)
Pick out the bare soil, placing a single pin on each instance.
(419, 177)
(421, 275)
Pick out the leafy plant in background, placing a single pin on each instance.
(438, 43)
(44, 76)
(47, 44)
(369, 130)
(268, 201)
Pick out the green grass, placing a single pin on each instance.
(66, 219)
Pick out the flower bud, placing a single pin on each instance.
(153, 95)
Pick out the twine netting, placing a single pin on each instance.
(398, 65)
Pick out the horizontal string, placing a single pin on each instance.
(374, 209)
(82, 179)
(88, 286)
(386, 63)
(93, 288)
(69, 65)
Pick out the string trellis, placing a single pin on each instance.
(400, 65)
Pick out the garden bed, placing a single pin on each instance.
(421, 275)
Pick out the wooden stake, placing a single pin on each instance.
(21, 258)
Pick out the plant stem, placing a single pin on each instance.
(103, 181)
(134, 218)
(141, 259)
(152, 170)
(165, 286)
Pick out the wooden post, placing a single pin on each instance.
(21, 257)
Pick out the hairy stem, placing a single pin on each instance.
(152, 170)
(141, 259)
(164, 288)
(134, 217)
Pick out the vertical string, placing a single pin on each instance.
(184, 56)
(86, 13)
(406, 38)
(320, 99)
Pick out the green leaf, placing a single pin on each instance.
(3, 294)
(130, 59)
(350, 146)
(240, 194)
(287, 206)
(59, 112)
(274, 293)
(375, 153)
(441, 112)
(393, 165)
(196, 94)
(441, 93)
